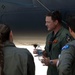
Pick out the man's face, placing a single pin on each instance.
(50, 23)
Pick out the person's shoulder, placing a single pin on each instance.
(19, 51)
(65, 31)
(69, 45)
(14, 50)
(22, 50)
(72, 43)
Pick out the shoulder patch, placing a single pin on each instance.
(65, 47)
(68, 38)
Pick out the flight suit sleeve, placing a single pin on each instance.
(65, 61)
(22, 58)
(66, 38)
(30, 64)
(27, 63)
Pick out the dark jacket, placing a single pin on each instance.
(17, 61)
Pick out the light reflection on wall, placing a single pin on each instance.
(40, 69)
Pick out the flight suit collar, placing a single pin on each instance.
(59, 32)
(56, 42)
(8, 43)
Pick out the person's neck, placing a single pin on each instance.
(11, 39)
(57, 29)
(73, 36)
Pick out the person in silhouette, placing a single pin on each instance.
(13, 60)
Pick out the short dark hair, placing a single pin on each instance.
(56, 15)
(71, 22)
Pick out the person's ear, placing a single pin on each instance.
(56, 22)
(11, 36)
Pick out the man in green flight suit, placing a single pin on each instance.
(55, 40)
(66, 64)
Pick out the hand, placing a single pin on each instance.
(46, 61)
(34, 51)
(44, 53)
(37, 51)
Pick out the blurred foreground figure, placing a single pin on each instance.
(66, 64)
(13, 60)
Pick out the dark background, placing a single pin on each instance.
(27, 17)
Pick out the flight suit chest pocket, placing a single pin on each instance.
(56, 49)
(56, 43)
